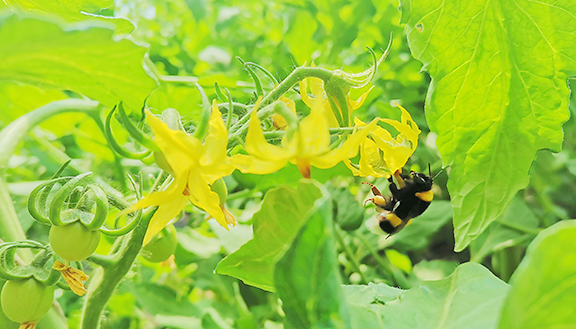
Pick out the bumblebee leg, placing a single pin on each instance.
(368, 200)
(379, 201)
(374, 189)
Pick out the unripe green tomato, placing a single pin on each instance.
(26, 300)
(220, 188)
(74, 241)
(162, 246)
(6, 323)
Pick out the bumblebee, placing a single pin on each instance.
(409, 200)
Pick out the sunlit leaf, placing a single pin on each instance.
(498, 94)
(72, 11)
(469, 298)
(366, 303)
(436, 269)
(543, 291)
(83, 58)
(282, 214)
(307, 278)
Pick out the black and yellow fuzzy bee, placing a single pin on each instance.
(407, 202)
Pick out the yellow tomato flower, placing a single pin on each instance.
(381, 155)
(317, 88)
(306, 147)
(195, 165)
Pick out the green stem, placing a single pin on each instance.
(190, 79)
(10, 137)
(105, 282)
(280, 133)
(384, 263)
(349, 254)
(299, 74)
(521, 228)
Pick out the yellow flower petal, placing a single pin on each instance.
(347, 150)
(217, 139)
(257, 145)
(252, 164)
(203, 197)
(179, 149)
(353, 105)
(166, 211)
(73, 277)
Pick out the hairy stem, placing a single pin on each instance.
(107, 279)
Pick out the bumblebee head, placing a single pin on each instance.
(421, 181)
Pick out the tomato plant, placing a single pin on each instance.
(237, 135)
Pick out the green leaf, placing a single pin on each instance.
(299, 37)
(543, 291)
(275, 226)
(83, 58)
(436, 269)
(348, 213)
(72, 11)
(498, 94)
(366, 303)
(307, 278)
(469, 298)
(500, 235)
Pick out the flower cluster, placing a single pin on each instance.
(195, 165)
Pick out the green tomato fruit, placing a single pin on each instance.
(26, 300)
(74, 241)
(162, 246)
(6, 323)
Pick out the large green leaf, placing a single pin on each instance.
(543, 291)
(72, 10)
(282, 214)
(83, 57)
(506, 231)
(498, 93)
(366, 303)
(469, 298)
(307, 278)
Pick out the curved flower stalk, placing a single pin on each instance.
(381, 155)
(317, 88)
(195, 166)
(306, 146)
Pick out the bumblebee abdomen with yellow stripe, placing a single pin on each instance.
(407, 202)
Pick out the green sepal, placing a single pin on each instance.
(40, 267)
(114, 144)
(138, 188)
(263, 70)
(134, 131)
(206, 113)
(61, 196)
(219, 93)
(254, 77)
